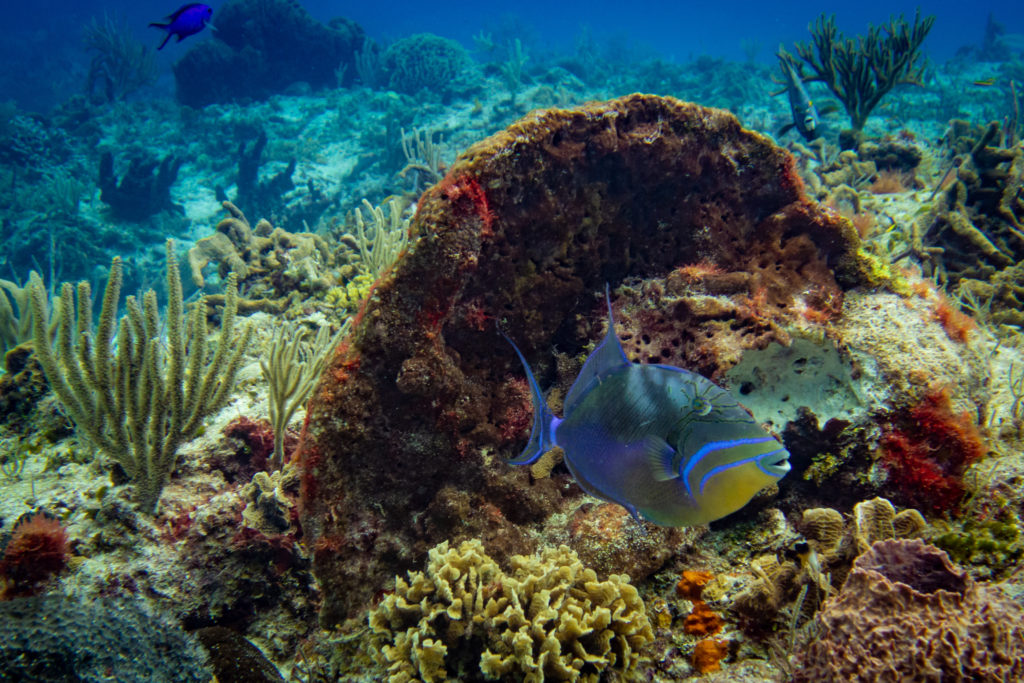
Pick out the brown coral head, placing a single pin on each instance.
(922, 567)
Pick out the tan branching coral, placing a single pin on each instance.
(274, 266)
(547, 619)
(907, 613)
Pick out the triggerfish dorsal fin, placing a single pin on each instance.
(542, 434)
(607, 357)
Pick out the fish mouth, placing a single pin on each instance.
(776, 463)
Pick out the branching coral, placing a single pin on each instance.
(276, 268)
(547, 619)
(120, 64)
(975, 231)
(861, 72)
(15, 314)
(140, 400)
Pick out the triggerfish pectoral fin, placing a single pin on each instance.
(542, 434)
(661, 457)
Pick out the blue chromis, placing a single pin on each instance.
(665, 443)
(186, 21)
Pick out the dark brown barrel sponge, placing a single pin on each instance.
(406, 432)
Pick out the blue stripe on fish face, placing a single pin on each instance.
(713, 447)
(759, 460)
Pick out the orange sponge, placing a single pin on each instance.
(692, 583)
(708, 654)
(702, 621)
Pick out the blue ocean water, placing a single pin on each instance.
(43, 39)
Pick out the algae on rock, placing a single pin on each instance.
(548, 619)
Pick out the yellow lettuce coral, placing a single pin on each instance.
(548, 619)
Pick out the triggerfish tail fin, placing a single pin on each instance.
(606, 358)
(542, 434)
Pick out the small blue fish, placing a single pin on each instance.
(662, 442)
(186, 21)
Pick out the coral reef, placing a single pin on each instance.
(833, 543)
(260, 198)
(22, 386)
(242, 553)
(708, 655)
(548, 618)
(907, 613)
(234, 659)
(609, 541)
(975, 230)
(527, 227)
(260, 48)
(143, 191)
(276, 269)
(425, 61)
(54, 638)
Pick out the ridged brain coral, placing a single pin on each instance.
(906, 613)
(548, 619)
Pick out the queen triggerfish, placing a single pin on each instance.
(665, 443)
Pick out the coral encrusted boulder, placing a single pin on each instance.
(260, 48)
(408, 430)
(906, 613)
